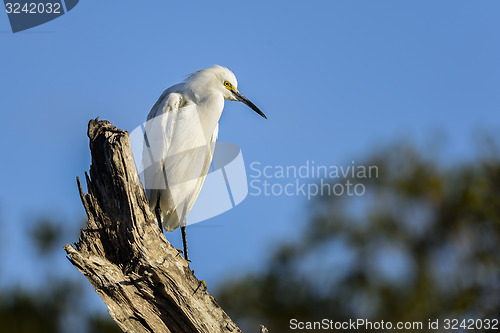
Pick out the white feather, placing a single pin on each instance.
(181, 130)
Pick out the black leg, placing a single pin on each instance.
(158, 215)
(184, 242)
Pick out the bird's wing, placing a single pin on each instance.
(206, 166)
(181, 156)
(158, 137)
(187, 163)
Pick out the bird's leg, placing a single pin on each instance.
(184, 242)
(158, 215)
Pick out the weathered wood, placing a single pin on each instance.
(142, 278)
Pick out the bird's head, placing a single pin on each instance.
(223, 80)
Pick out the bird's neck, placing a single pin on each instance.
(210, 108)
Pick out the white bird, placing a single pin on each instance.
(180, 137)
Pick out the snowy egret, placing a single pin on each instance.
(180, 137)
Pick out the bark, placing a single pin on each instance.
(145, 282)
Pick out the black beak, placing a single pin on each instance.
(245, 100)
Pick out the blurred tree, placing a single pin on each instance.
(58, 306)
(99, 324)
(45, 235)
(20, 312)
(422, 243)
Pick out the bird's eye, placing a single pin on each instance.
(227, 84)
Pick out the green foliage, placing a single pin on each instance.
(103, 325)
(422, 243)
(21, 312)
(46, 235)
(58, 306)
(45, 312)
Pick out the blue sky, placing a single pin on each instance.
(337, 80)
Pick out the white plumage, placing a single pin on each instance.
(181, 131)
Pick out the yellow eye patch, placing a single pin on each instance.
(229, 86)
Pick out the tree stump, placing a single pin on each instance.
(145, 282)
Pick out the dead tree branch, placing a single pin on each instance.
(142, 278)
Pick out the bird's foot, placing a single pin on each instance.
(204, 284)
(179, 252)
